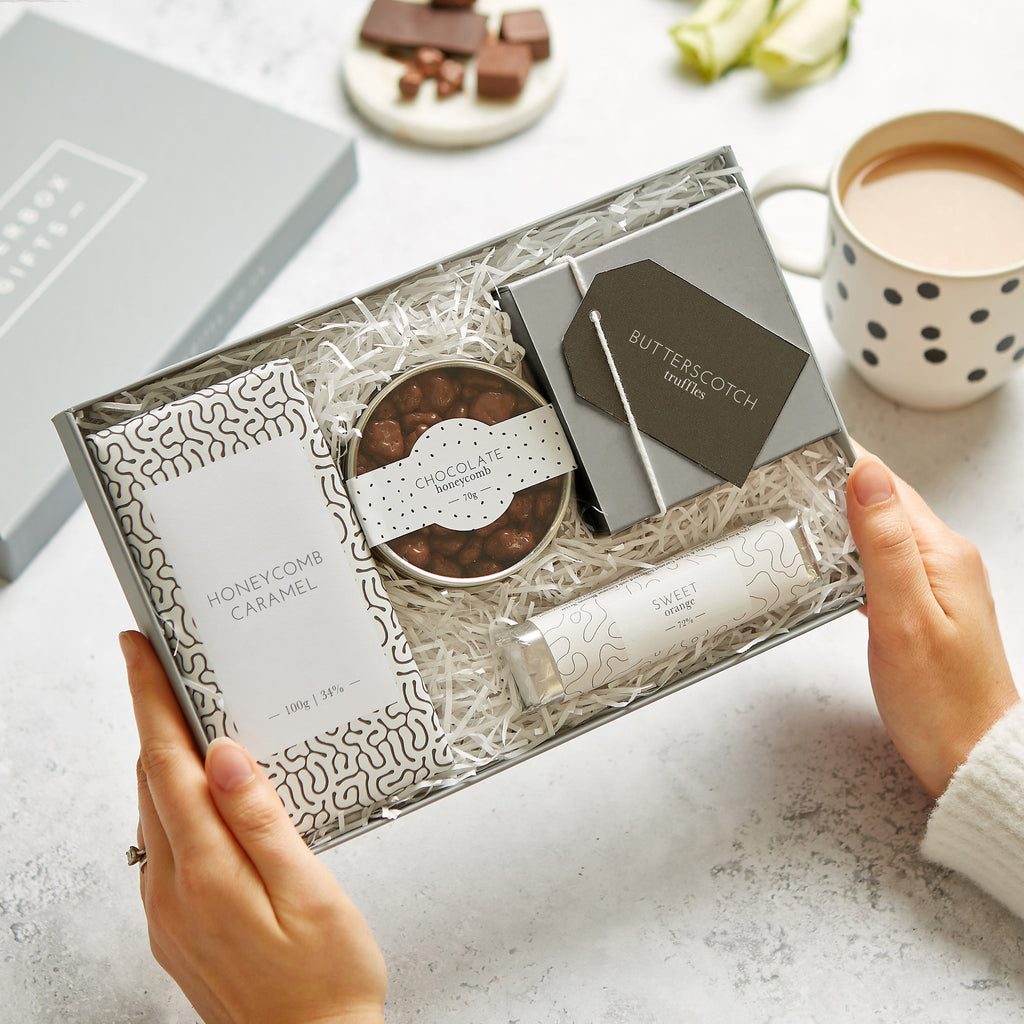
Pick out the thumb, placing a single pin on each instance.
(895, 578)
(253, 812)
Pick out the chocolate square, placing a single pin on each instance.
(527, 27)
(502, 69)
(396, 23)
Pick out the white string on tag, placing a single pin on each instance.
(638, 441)
(577, 274)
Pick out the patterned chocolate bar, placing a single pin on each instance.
(360, 762)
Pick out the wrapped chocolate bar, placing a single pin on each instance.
(238, 522)
(653, 616)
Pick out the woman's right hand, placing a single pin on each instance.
(935, 656)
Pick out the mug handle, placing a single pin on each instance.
(810, 178)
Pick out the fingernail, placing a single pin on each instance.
(872, 483)
(129, 649)
(229, 767)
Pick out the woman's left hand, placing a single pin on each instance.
(241, 914)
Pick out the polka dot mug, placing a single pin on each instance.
(924, 337)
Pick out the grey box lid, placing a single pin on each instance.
(717, 245)
(141, 211)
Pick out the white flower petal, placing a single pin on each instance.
(804, 41)
(719, 33)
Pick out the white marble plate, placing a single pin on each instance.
(371, 80)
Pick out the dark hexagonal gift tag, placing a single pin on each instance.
(699, 376)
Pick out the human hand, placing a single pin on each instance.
(241, 914)
(936, 660)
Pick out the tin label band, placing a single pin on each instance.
(461, 474)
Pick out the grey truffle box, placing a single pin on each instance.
(719, 246)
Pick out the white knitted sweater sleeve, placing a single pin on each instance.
(977, 826)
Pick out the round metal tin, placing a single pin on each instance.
(385, 551)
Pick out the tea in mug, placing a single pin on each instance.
(942, 207)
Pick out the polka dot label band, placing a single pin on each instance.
(461, 474)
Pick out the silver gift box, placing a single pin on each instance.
(743, 265)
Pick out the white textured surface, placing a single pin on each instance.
(746, 851)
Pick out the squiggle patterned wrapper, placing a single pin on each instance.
(651, 617)
(342, 770)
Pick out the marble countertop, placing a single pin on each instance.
(748, 851)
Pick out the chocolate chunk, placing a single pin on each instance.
(492, 407)
(383, 441)
(429, 60)
(396, 23)
(413, 420)
(501, 69)
(449, 78)
(409, 84)
(510, 545)
(413, 549)
(521, 508)
(407, 397)
(527, 27)
(471, 552)
(413, 436)
(439, 391)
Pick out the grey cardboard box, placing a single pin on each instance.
(70, 427)
(717, 245)
(141, 211)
